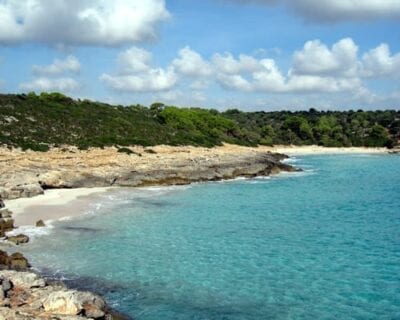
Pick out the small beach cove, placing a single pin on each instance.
(157, 252)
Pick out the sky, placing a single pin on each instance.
(246, 54)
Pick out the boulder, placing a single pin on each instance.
(72, 302)
(17, 261)
(18, 239)
(40, 223)
(62, 303)
(5, 213)
(6, 224)
(3, 258)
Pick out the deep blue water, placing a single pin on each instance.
(323, 244)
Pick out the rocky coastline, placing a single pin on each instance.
(25, 294)
(26, 174)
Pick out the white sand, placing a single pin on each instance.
(307, 150)
(53, 205)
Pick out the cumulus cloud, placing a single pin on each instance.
(135, 73)
(379, 62)
(55, 76)
(316, 69)
(191, 63)
(76, 22)
(337, 10)
(317, 59)
(70, 64)
(50, 84)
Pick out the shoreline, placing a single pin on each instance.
(317, 150)
(59, 204)
(53, 205)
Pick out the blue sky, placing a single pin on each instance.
(254, 55)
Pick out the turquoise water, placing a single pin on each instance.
(323, 244)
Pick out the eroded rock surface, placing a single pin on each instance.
(25, 295)
(26, 174)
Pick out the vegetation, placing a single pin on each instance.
(51, 119)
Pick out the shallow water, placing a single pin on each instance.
(323, 244)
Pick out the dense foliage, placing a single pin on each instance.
(38, 121)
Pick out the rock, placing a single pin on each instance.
(25, 191)
(17, 261)
(6, 224)
(62, 302)
(18, 239)
(72, 302)
(25, 279)
(2, 205)
(92, 304)
(6, 285)
(3, 258)
(5, 213)
(40, 223)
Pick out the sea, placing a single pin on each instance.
(323, 243)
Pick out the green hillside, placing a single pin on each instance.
(39, 121)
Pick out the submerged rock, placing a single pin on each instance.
(18, 239)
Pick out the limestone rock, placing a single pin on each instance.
(24, 279)
(72, 302)
(63, 303)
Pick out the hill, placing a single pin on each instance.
(38, 122)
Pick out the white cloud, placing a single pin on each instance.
(191, 63)
(77, 22)
(54, 77)
(379, 62)
(337, 10)
(135, 73)
(49, 84)
(70, 64)
(134, 60)
(317, 59)
(227, 64)
(316, 69)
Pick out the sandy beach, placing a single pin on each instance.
(52, 205)
(314, 149)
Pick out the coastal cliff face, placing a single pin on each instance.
(26, 174)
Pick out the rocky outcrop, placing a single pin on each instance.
(6, 224)
(25, 295)
(14, 261)
(18, 239)
(28, 174)
(40, 223)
